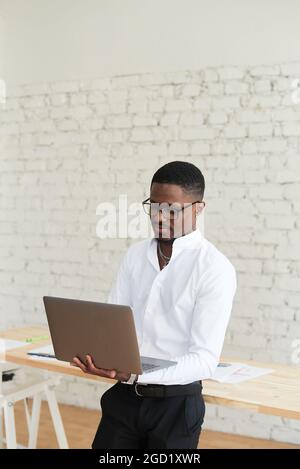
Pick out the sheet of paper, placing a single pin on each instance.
(246, 373)
(224, 370)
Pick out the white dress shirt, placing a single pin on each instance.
(182, 311)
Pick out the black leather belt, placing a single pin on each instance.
(162, 390)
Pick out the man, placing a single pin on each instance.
(180, 288)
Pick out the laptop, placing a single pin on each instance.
(104, 331)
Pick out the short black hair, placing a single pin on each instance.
(183, 174)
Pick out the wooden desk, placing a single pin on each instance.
(277, 393)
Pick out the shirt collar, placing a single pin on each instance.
(191, 240)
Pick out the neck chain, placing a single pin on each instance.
(165, 258)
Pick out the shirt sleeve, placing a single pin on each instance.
(120, 293)
(209, 323)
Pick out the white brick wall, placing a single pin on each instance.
(67, 146)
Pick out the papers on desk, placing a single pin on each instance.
(234, 373)
(8, 344)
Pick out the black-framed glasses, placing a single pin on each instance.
(168, 210)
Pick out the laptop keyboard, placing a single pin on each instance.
(149, 366)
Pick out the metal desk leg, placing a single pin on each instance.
(34, 421)
(56, 417)
(9, 418)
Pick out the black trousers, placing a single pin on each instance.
(132, 421)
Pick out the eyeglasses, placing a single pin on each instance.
(168, 210)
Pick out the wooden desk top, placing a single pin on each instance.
(277, 393)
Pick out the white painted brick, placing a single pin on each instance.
(178, 105)
(265, 70)
(215, 89)
(78, 99)
(288, 251)
(167, 91)
(12, 116)
(236, 87)
(284, 222)
(68, 124)
(141, 135)
(291, 129)
(235, 131)
(197, 133)
(191, 119)
(253, 280)
(65, 87)
(217, 117)
(144, 120)
(202, 103)
(291, 69)
(226, 102)
(117, 95)
(270, 191)
(120, 121)
(252, 162)
(97, 84)
(169, 119)
(287, 176)
(248, 265)
(219, 162)
(250, 116)
(287, 283)
(223, 147)
(117, 107)
(254, 177)
(179, 149)
(211, 75)
(262, 86)
(281, 207)
(272, 145)
(259, 101)
(92, 124)
(286, 115)
(125, 81)
(59, 99)
(140, 105)
(95, 97)
(230, 73)
(200, 148)
(275, 266)
(190, 90)
(153, 79)
(291, 191)
(260, 130)
(177, 77)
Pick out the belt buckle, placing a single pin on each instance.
(136, 391)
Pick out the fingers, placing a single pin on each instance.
(92, 369)
(79, 363)
(99, 371)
